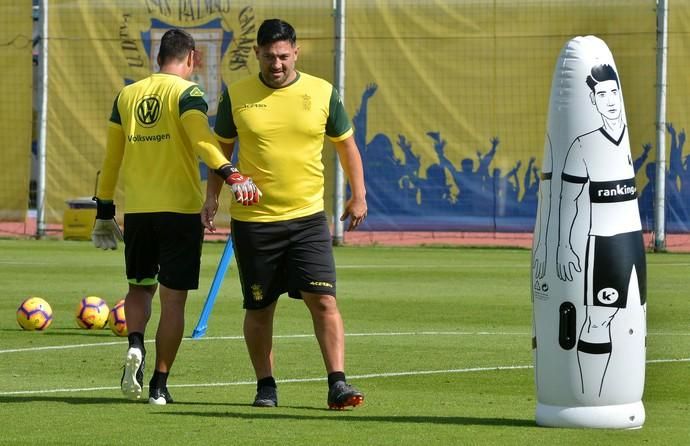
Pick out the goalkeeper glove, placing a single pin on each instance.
(246, 192)
(106, 231)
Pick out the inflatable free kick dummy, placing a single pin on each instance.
(588, 259)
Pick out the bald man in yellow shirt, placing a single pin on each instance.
(283, 244)
(157, 130)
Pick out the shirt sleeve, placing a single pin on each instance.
(110, 170)
(193, 99)
(115, 113)
(225, 128)
(574, 169)
(338, 126)
(204, 144)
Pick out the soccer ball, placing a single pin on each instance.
(116, 319)
(92, 313)
(34, 314)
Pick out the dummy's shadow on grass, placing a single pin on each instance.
(343, 417)
(59, 331)
(7, 399)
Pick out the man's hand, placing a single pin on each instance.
(356, 210)
(106, 231)
(208, 211)
(105, 234)
(246, 192)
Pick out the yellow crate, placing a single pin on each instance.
(77, 221)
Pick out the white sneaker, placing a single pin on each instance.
(132, 380)
(159, 397)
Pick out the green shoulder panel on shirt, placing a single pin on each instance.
(225, 125)
(193, 99)
(115, 114)
(338, 123)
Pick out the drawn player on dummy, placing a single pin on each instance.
(615, 273)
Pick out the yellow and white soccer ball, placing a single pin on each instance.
(116, 319)
(34, 313)
(92, 313)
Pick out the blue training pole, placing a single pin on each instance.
(202, 325)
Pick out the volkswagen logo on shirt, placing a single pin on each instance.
(148, 111)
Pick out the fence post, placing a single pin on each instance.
(42, 122)
(339, 186)
(661, 61)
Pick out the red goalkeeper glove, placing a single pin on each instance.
(246, 192)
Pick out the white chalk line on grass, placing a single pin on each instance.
(429, 266)
(280, 381)
(293, 336)
(305, 380)
(300, 336)
(415, 266)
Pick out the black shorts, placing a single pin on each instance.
(287, 256)
(609, 265)
(166, 245)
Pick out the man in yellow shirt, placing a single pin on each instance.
(157, 129)
(283, 244)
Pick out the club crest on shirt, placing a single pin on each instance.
(306, 102)
(257, 294)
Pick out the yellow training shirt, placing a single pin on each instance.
(281, 133)
(149, 145)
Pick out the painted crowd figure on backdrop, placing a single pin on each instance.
(473, 187)
(614, 257)
(677, 185)
(468, 188)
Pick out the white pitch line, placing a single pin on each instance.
(303, 380)
(302, 336)
(289, 380)
(293, 336)
(380, 266)
(664, 361)
(61, 347)
(448, 266)
(463, 267)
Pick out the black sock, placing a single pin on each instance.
(136, 340)
(266, 382)
(159, 380)
(335, 377)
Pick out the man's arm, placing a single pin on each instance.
(106, 232)
(110, 169)
(356, 206)
(204, 143)
(213, 188)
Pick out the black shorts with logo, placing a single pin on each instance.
(609, 264)
(163, 244)
(286, 256)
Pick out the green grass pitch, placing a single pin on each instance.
(439, 340)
